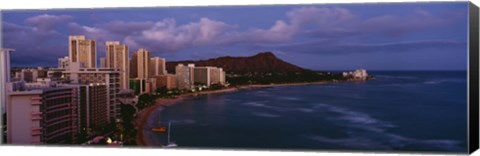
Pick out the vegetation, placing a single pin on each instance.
(126, 129)
(278, 77)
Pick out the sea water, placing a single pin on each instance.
(397, 111)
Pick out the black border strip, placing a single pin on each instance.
(473, 120)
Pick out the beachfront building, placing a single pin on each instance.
(157, 66)
(92, 106)
(63, 62)
(141, 62)
(142, 86)
(185, 76)
(82, 51)
(117, 57)
(217, 76)
(202, 75)
(168, 81)
(108, 76)
(42, 116)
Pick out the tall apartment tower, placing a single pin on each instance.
(5, 77)
(117, 57)
(43, 116)
(157, 66)
(142, 60)
(185, 76)
(82, 51)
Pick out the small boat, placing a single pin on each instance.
(159, 129)
(170, 144)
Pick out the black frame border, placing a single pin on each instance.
(473, 109)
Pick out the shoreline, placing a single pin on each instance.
(144, 115)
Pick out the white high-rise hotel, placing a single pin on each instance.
(5, 77)
(82, 51)
(185, 76)
(117, 57)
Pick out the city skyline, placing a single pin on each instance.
(337, 37)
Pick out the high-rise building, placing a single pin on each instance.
(184, 76)
(92, 106)
(142, 61)
(4, 77)
(133, 66)
(43, 116)
(109, 76)
(217, 76)
(157, 66)
(202, 75)
(63, 62)
(168, 81)
(103, 62)
(82, 51)
(117, 57)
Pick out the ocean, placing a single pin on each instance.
(417, 111)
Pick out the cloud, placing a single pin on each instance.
(32, 44)
(329, 47)
(388, 25)
(165, 35)
(326, 25)
(46, 21)
(321, 16)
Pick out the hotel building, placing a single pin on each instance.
(82, 51)
(168, 81)
(42, 116)
(141, 62)
(157, 66)
(117, 57)
(217, 76)
(184, 75)
(63, 62)
(4, 77)
(202, 75)
(92, 104)
(108, 76)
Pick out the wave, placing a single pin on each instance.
(306, 110)
(445, 81)
(289, 98)
(367, 132)
(396, 77)
(265, 115)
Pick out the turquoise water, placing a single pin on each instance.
(398, 111)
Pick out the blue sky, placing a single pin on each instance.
(382, 36)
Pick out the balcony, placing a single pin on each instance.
(36, 133)
(36, 102)
(36, 129)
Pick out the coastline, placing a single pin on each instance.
(144, 115)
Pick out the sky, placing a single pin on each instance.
(375, 36)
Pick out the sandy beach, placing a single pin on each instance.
(143, 115)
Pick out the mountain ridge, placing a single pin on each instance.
(260, 62)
